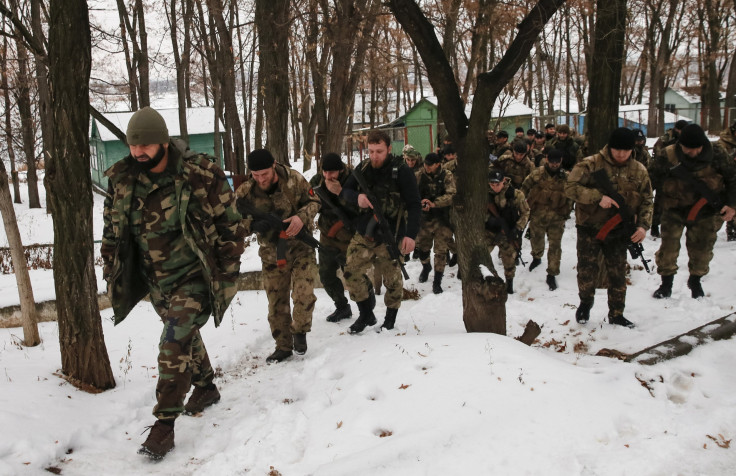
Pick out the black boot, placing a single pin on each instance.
(424, 275)
(390, 319)
(665, 289)
(620, 321)
(366, 317)
(342, 312)
(509, 285)
(160, 440)
(300, 343)
(535, 262)
(654, 231)
(582, 315)
(453, 260)
(551, 282)
(693, 282)
(730, 231)
(437, 284)
(279, 355)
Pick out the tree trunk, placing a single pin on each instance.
(180, 67)
(142, 56)
(273, 42)
(125, 26)
(483, 297)
(83, 353)
(27, 126)
(20, 267)
(44, 95)
(9, 122)
(605, 82)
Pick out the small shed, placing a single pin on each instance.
(509, 114)
(106, 148)
(417, 127)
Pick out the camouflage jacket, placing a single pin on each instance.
(569, 150)
(516, 171)
(641, 154)
(290, 197)
(631, 180)
(450, 165)
(669, 138)
(327, 217)
(511, 205)
(545, 192)
(438, 188)
(203, 208)
(727, 142)
(712, 166)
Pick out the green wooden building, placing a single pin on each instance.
(106, 148)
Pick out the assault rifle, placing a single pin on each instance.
(274, 222)
(388, 237)
(342, 219)
(512, 236)
(707, 196)
(624, 216)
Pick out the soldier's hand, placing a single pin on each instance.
(363, 201)
(407, 245)
(638, 235)
(295, 225)
(333, 185)
(727, 213)
(607, 202)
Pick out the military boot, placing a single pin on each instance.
(278, 355)
(693, 282)
(582, 315)
(160, 440)
(437, 283)
(551, 282)
(424, 275)
(619, 320)
(366, 317)
(654, 231)
(665, 289)
(453, 260)
(342, 312)
(510, 285)
(201, 398)
(535, 262)
(731, 231)
(390, 319)
(300, 343)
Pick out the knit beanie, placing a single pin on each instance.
(331, 162)
(146, 127)
(432, 159)
(260, 159)
(622, 138)
(692, 136)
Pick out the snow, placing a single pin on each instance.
(424, 399)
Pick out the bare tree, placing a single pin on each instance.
(712, 16)
(133, 30)
(28, 124)
(8, 120)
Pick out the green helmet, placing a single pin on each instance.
(147, 126)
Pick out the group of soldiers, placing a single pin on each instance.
(174, 229)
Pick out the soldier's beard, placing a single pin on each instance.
(152, 162)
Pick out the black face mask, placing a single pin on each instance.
(152, 162)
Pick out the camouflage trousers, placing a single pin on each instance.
(506, 252)
(182, 357)
(552, 226)
(439, 233)
(614, 256)
(332, 257)
(699, 240)
(362, 255)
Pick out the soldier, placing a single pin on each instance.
(550, 208)
(395, 186)
(597, 215)
(531, 134)
(501, 145)
(727, 141)
(697, 183)
(448, 158)
(641, 153)
(550, 131)
(669, 137)
(538, 147)
(567, 145)
(450, 164)
(515, 164)
(413, 158)
(287, 264)
(506, 219)
(171, 230)
(519, 132)
(436, 189)
(334, 233)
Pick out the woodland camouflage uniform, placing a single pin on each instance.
(514, 210)
(177, 236)
(549, 209)
(632, 182)
(438, 188)
(290, 196)
(515, 170)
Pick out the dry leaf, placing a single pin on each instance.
(404, 386)
(720, 441)
(339, 424)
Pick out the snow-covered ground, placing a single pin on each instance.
(424, 399)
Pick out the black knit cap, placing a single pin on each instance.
(622, 138)
(693, 136)
(432, 158)
(554, 155)
(520, 147)
(331, 162)
(502, 134)
(639, 134)
(260, 159)
(681, 124)
(519, 129)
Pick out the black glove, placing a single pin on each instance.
(494, 225)
(260, 226)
